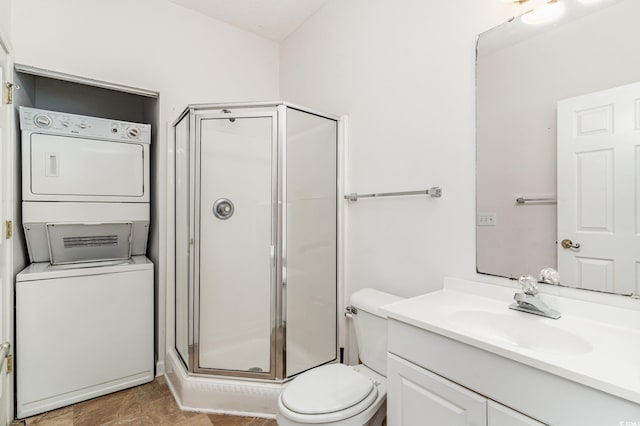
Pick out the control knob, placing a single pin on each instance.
(133, 132)
(42, 120)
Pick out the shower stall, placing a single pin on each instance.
(256, 239)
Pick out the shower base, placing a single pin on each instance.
(235, 354)
(219, 395)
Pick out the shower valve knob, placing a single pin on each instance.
(223, 208)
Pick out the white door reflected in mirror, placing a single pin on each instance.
(598, 164)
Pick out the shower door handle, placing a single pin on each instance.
(284, 276)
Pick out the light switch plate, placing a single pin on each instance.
(487, 219)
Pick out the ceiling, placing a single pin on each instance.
(272, 19)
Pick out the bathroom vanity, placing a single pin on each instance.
(460, 356)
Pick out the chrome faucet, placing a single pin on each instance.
(528, 301)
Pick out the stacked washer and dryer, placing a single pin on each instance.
(84, 307)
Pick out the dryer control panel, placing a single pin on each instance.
(52, 122)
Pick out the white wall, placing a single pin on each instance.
(404, 73)
(151, 44)
(5, 17)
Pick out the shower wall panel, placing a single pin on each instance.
(184, 295)
(311, 241)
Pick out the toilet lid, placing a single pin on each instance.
(327, 389)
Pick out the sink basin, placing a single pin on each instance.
(515, 330)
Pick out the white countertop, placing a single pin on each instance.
(607, 338)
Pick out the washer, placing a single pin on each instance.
(82, 332)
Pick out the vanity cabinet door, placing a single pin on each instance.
(417, 397)
(499, 415)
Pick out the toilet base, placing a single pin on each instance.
(380, 418)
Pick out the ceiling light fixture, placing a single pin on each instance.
(544, 13)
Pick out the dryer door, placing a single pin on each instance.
(63, 168)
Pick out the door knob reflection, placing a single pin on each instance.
(569, 244)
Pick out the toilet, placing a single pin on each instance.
(341, 395)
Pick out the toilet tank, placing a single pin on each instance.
(370, 324)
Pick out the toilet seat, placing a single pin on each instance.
(327, 394)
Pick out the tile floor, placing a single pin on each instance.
(147, 405)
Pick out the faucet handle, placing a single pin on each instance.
(549, 276)
(528, 285)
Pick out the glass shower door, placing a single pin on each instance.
(235, 243)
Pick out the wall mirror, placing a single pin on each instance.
(558, 147)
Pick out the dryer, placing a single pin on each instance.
(85, 187)
(68, 157)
